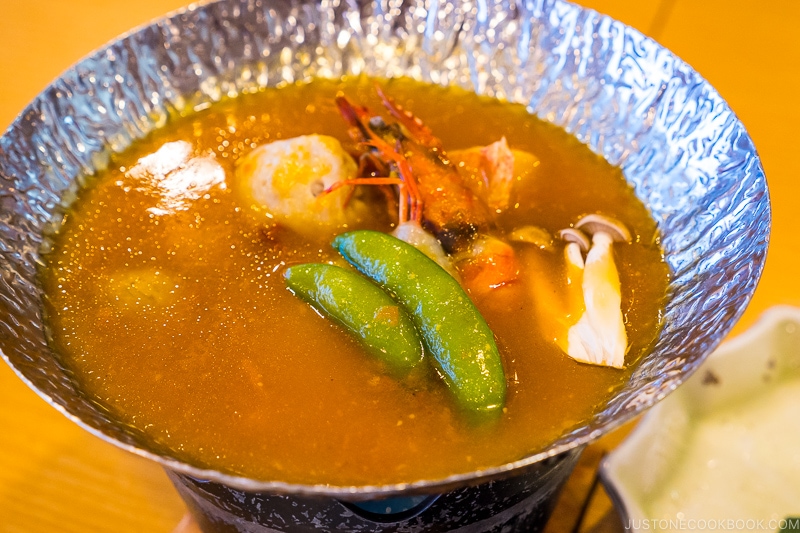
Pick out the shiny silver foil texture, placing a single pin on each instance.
(680, 146)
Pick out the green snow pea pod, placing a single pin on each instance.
(453, 330)
(363, 308)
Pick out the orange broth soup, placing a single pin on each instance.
(176, 317)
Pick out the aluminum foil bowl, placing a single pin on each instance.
(681, 147)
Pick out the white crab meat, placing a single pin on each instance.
(286, 179)
(412, 233)
(175, 177)
(598, 337)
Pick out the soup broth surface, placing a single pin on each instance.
(180, 324)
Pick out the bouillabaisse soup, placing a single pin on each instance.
(167, 284)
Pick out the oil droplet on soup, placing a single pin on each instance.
(165, 297)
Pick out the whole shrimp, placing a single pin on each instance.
(433, 199)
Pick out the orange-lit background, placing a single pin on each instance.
(56, 477)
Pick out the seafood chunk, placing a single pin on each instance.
(175, 177)
(489, 263)
(499, 171)
(142, 289)
(286, 179)
(491, 171)
(535, 235)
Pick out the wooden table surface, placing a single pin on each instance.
(54, 477)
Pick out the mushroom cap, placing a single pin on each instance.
(595, 223)
(577, 236)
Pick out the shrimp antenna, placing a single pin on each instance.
(413, 124)
(354, 116)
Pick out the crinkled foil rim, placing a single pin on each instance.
(680, 146)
